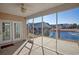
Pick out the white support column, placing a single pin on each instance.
(56, 31)
(33, 29)
(42, 36)
(27, 31)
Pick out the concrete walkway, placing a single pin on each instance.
(64, 47)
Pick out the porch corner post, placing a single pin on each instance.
(42, 36)
(56, 32)
(33, 29)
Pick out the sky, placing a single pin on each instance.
(66, 17)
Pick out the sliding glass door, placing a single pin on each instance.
(10, 31)
(17, 31)
(6, 31)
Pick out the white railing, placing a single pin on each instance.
(20, 48)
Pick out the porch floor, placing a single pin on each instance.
(11, 49)
(49, 47)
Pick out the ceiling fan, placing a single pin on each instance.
(23, 9)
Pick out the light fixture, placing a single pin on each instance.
(23, 9)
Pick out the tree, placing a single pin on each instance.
(74, 25)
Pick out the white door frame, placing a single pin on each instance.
(19, 22)
(6, 41)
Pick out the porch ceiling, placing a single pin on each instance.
(32, 8)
